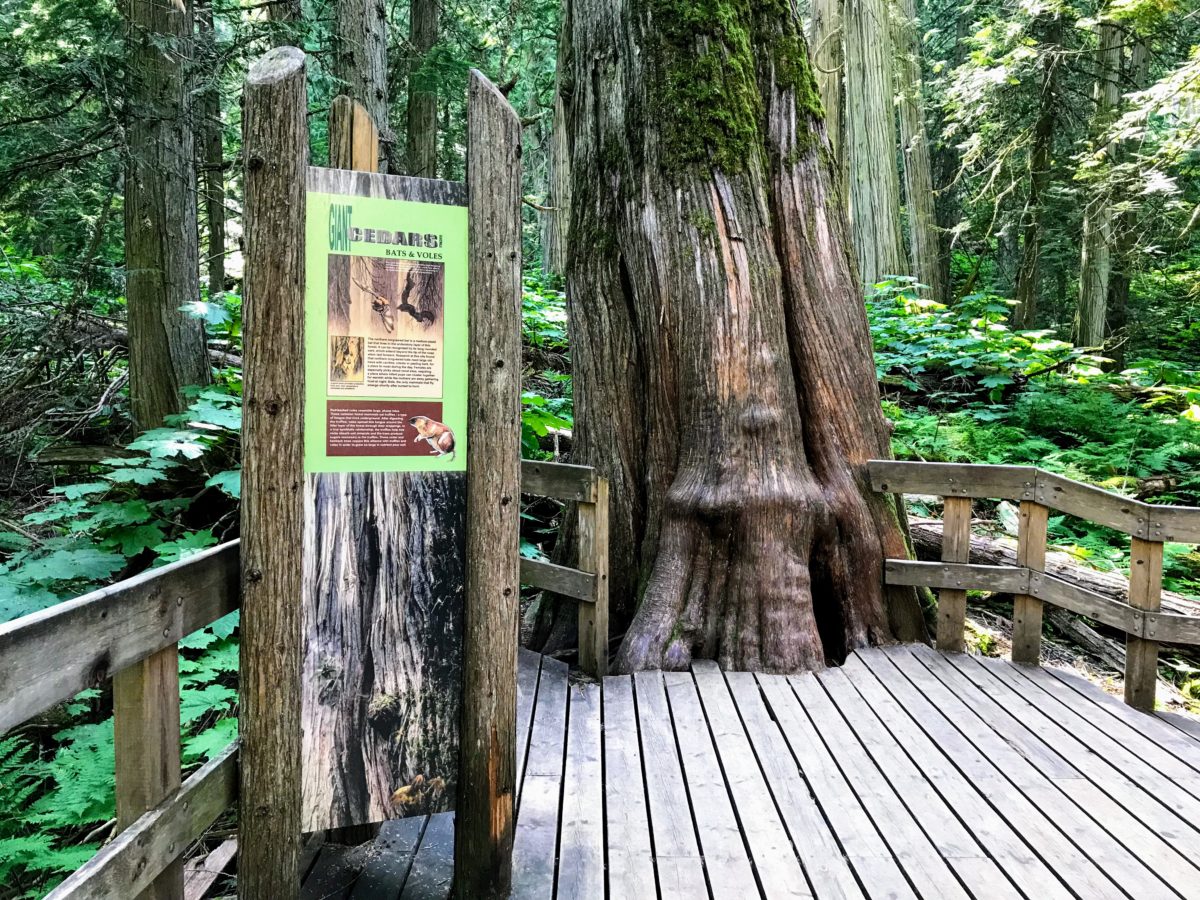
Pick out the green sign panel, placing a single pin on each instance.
(386, 335)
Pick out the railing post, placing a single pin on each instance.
(488, 763)
(956, 547)
(1145, 592)
(593, 558)
(275, 143)
(146, 746)
(1027, 610)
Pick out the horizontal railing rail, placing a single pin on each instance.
(1039, 492)
(116, 632)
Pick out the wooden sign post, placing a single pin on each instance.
(373, 642)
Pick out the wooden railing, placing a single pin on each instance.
(589, 583)
(130, 631)
(1039, 492)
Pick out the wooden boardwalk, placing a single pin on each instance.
(905, 773)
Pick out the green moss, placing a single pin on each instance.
(704, 92)
(703, 223)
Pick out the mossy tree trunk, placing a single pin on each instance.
(826, 34)
(724, 379)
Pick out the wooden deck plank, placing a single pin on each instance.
(535, 844)
(1189, 725)
(529, 667)
(820, 854)
(581, 840)
(390, 859)
(334, 872)
(929, 867)
(721, 841)
(1121, 720)
(865, 848)
(1025, 798)
(1166, 779)
(779, 871)
(433, 867)
(630, 853)
(677, 859)
(1002, 840)
(1134, 817)
(984, 876)
(1087, 855)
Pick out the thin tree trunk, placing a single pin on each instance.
(360, 62)
(874, 179)
(1040, 161)
(421, 140)
(923, 239)
(1096, 260)
(167, 349)
(556, 221)
(826, 35)
(724, 380)
(947, 161)
(212, 161)
(1125, 226)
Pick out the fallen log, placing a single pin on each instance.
(927, 541)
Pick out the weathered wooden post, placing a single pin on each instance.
(956, 548)
(487, 768)
(1145, 592)
(1027, 610)
(275, 146)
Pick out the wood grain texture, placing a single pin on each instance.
(487, 773)
(275, 141)
(593, 558)
(1145, 592)
(1027, 609)
(131, 862)
(146, 749)
(560, 579)
(558, 480)
(383, 588)
(52, 655)
(956, 548)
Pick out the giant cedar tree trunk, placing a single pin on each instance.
(923, 240)
(872, 172)
(167, 349)
(421, 139)
(1095, 262)
(724, 379)
(556, 220)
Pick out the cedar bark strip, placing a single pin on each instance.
(382, 603)
(167, 350)
(557, 219)
(827, 38)
(275, 146)
(488, 765)
(724, 380)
